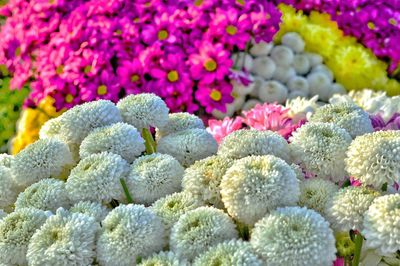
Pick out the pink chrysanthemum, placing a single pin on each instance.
(222, 128)
(214, 95)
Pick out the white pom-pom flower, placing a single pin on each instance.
(243, 60)
(346, 115)
(162, 259)
(239, 89)
(129, 232)
(315, 193)
(234, 252)
(42, 159)
(284, 73)
(272, 91)
(319, 83)
(172, 207)
(6, 160)
(97, 178)
(320, 148)
(8, 188)
(250, 104)
(282, 55)
(324, 69)
(51, 128)
(301, 108)
(245, 142)
(179, 122)
(337, 88)
(92, 209)
(298, 83)
(294, 236)
(301, 64)
(188, 146)
(153, 177)
(345, 210)
(203, 178)
(79, 121)
(315, 59)
(374, 158)
(47, 195)
(120, 138)
(200, 229)
(230, 110)
(65, 239)
(294, 41)
(264, 67)
(2, 214)
(16, 230)
(382, 224)
(256, 185)
(296, 94)
(261, 48)
(144, 110)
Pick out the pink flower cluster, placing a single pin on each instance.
(375, 23)
(379, 123)
(81, 50)
(262, 117)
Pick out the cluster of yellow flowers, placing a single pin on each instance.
(353, 65)
(31, 120)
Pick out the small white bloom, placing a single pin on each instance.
(2, 214)
(8, 189)
(298, 83)
(250, 104)
(179, 122)
(230, 110)
(129, 232)
(51, 128)
(282, 55)
(294, 236)
(256, 185)
(273, 91)
(319, 82)
(284, 73)
(6, 160)
(154, 176)
(200, 229)
(315, 59)
(264, 67)
(245, 142)
(261, 48)
(323, 68)
(239, 89)
(162, 259)
(144, 110)
(64, 239)
(315, 193)
(243, 60)
(188, 146)
(294, 41)
(92, 209)
(301, 64)
(301, 107)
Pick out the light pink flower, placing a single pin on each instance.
(222, 128)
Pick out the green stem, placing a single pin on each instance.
(357, 253)
(244, 231)
(126, 190)
(149, 142)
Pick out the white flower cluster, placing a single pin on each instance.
(280, 72)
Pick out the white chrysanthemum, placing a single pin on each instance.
(346, 115)
(264, 67)
(202, 179)
(282, 55)
(42, 159)
(382, 224)
(323, 68)
(16, 230)
(47, 195)
(144, 110)
(244, 142)
(294, 236)
(320, 148)
(243, 60)
(188, 146)
(79, 121)
(162, 259)
(315, 59)
(179, 122)
(97, 178)
(6, 160)
(284, 73)
(92, 209)
(319, 83)
(200, 229)
(65, 239)
(301, 64)
(298, 83)
(345, 210)
(256, 185)
(315, 193)
(272, 91)
(261, 48)
(119, 138)
(301, 108)
(50, 129)
(172, 207)
(294, 41)
(2, 214)
(374, 158)
(153, 177)
(8, 188)
(129, 232)
(234, 252)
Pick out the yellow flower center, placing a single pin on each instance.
(147, 4)
(51, 2)
(210, 65)
(87, 69)
(240, 2)
(215, 95)
(162, 35)
(371, 25)
(231, 30)
(102, 89)
(393, 21)
(136, 20)
(268, 16)
(173, 76)
(60, 69)
(18, 51)
(118, 32)
(198, 2)
(69, 98)
(134, 78)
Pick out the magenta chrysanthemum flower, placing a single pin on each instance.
(378, 123)
(214, 95)
(162, 30)
(211, 64)
(222, 128)
(130, 74)
(271, 117)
